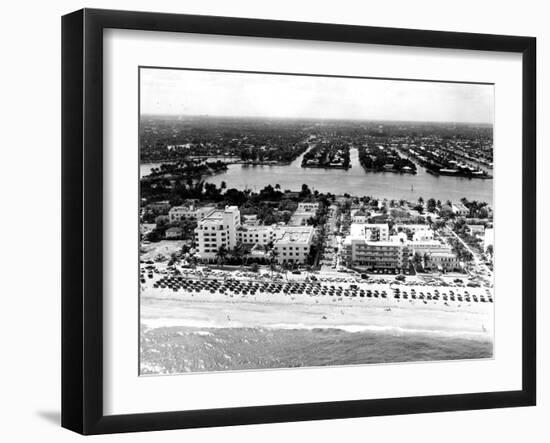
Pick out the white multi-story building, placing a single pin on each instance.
(256, 235)
(180, 213)
(375, 254)
(370, 231)
(218, 228)
(368, 246)
(292, 244)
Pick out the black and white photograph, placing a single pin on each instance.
(294, 221)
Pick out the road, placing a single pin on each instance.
(478, 261)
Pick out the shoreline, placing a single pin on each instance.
(301, 312)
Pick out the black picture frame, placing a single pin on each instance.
(82, 215)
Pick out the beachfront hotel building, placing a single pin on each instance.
(368, 246)
(256, 235)
(292, 244)
(375, 254)
(218, 228)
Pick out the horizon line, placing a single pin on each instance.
(207, 116)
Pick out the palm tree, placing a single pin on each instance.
(426, 259)
(221, 253)
(238, 251)
(417, 259)
(308, 271)
(272, 260)
(286, 266)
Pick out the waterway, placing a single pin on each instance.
(354, 181)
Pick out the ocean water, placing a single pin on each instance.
(173, 350)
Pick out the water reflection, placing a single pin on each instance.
(353, 181)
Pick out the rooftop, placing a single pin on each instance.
(294, 234)
(358, 230)
(182, 208)
(253, 228)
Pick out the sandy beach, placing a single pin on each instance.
(192, 327)
(163, 308)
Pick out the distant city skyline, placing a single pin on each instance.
(177, 92)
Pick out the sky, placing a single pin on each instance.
(185, 92)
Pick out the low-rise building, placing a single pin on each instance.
(173, 233)
(307, 207)
(429, 247)
(443, 261)
(476, 229)
(189, 212)
(412, 228)
(181, 213)
(161, 207)
(358, 216)
(460, 209)
(146, 228)
(303, 213)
